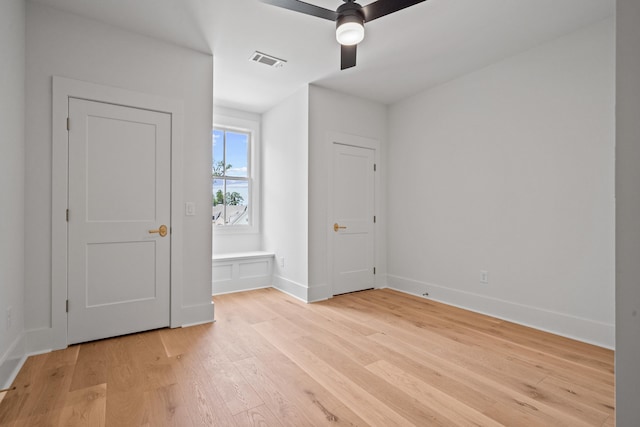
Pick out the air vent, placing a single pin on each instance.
(269, 60)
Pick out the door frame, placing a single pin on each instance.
(359, 142)
(63, 89)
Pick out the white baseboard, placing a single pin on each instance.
(291, 288)
(39, 341)
(11, 361)
(198, 314)
(577, 328)
(318, 293)
(242, 290)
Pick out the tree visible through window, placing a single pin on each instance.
(231, 178)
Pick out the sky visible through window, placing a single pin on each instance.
(236, 154)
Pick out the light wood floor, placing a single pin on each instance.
(377, 358)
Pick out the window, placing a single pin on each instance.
(231, 176)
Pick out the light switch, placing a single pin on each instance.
(189, 208)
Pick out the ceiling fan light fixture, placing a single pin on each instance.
(350, 30)
(349, 18)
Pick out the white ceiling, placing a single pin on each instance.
(402, 53)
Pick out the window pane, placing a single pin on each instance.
(237, 202)
(218, 202)
(218, 152)
(237, 154)
(230, 177)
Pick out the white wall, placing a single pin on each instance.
(627, 214)
(331, 112)
(70, 46)
(285, 177)
(12, 176)
(224, 241)
(510, 169)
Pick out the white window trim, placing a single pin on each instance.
(229, 122)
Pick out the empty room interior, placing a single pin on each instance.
(231, 212)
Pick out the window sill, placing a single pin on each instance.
(239, 256)
(222, 231)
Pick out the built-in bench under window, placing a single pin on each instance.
(241, 271)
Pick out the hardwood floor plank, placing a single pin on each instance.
(311, 399)
(126, 408)
(485, 381)
(364, 404)
(513, 356)
(50, 390)
(20, 391)
(378, 358)
(91, 366)
(442, 403)
(85, 407)
(204, 403)
(480, 358)
(166, 407)
(517, 414)
(185, 340)
(393, 398)
(586, 354)
(331, 334)
(259, 416)
(68, 356)
(566, 400)
(235, 391)
(277, 401)
(49, 419)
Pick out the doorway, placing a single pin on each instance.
(119, 220)
(116, 231)
(353, 226)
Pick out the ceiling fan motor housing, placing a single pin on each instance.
(350, 12)
(350, 24)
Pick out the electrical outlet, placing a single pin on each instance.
(484, 276)
(9, 317)
(282, 262)
(189, 208)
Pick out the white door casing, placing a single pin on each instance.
(119, 191)
(352, 226)
(63, 90)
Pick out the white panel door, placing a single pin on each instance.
(119, 194)
(353, 211)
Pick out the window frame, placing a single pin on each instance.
(252, 128)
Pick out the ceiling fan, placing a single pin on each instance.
(349, 18)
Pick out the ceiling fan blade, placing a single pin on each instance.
(306, 8)
(381, 8)
(348, 56)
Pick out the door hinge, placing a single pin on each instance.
(374, 270)
(67, 215)
(68, 124)
(67, 306)
(374, 219)
(374, 167)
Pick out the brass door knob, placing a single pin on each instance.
(162, 231)
(337, 227)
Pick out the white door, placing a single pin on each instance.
(119, 202)
(353, 222)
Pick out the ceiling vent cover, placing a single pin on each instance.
(269, 60)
